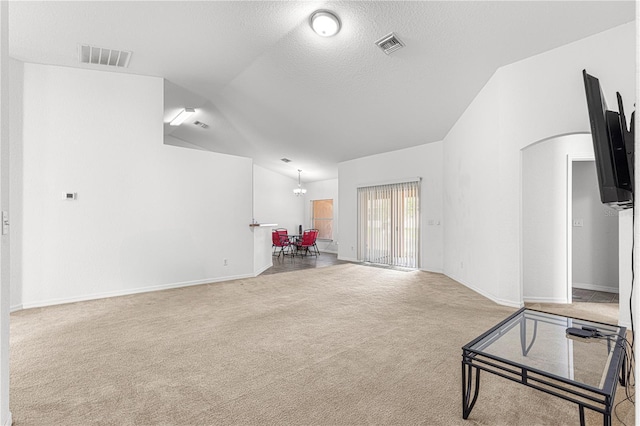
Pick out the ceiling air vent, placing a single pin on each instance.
(201, 124)
(390, 43)
(101, 56)
(285, 160)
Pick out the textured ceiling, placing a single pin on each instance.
(269, 87)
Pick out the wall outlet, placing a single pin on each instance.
(578, 222)
(225, 262)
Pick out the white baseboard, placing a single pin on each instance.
(596, 287)
(126, 292)
(15, 308)
(349, 259)
(9, 421)
(488, 295)
(625, 324)
(261, 270)
(435, 271)
(562, 300)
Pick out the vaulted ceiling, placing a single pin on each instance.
(268, 87)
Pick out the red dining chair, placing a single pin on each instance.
(284, 234)
(308, 242)
(281, 240)
(315, 238)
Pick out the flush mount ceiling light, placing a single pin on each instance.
(182, 116)
(299, 190)
(325, 23)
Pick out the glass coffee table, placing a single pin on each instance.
(534, 349)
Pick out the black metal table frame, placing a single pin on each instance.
(585, 396)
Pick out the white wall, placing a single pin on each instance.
(274, 201)
(595, 243)
(148, 215)
(262, 249)
(324, 190)
(525, 102)
(15, 129)
(625, 274)
(545, 217)
(471, 185)
(625, 244)
(5, 414)
(422, 161)
(170, 140)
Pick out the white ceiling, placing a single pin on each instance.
(269, 87)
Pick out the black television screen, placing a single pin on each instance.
(612, 145)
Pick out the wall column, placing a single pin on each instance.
(5, 415)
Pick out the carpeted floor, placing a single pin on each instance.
(345, 344)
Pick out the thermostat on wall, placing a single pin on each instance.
(69, 195)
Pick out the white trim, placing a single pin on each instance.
(328, 251)
(15, 308)
(521, 225)
(597, 287)
(569, 212)
(569, 220)
(625, 324)
(389, 182)
(264, 268)
(489, 296)
(435, 270)
(349, 259)
(104, 295)
(545, 300)
(9, 421)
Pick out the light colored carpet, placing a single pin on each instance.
(601, 312)
(346, 344)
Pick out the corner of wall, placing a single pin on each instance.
(488, 295)
(5, 413)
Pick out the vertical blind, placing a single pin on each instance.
(388, 224)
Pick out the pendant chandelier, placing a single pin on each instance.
(299, 190)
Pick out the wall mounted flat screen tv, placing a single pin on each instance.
(613, 147)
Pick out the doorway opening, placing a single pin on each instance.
(594, 239)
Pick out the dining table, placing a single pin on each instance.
(293, 239)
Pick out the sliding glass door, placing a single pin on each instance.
(389, 225)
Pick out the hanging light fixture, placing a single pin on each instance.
(299, 190)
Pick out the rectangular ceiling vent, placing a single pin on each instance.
(390, 43)
(101, 56)
(285, 160)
